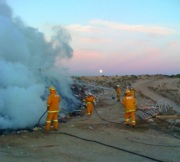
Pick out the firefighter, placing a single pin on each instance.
(130, 105)
(53, 109)
(90, 100)
(118, 90)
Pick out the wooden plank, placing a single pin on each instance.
(168, 116)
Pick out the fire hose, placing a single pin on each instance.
(139, 110)
(107, 145)
(106, 119)
(37, 125)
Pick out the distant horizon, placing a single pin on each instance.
(178, 75)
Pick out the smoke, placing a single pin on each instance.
(27, 69)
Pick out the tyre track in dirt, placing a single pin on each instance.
(142, 86)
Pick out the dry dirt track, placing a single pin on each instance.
(140, 144)
(143, 85)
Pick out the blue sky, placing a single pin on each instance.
(121, 37)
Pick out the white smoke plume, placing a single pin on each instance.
(27, 68)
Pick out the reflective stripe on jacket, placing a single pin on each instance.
(129, 103)
(53, 102)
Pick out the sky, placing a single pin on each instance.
(118, 37)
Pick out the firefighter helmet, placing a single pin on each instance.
(128, 91)
(52, 88)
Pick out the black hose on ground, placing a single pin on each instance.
(37, 125)
(105, 119)
(142, 111)
(107, 145)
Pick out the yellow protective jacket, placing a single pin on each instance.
(53, 101)
(118, 90)
(90, 99)
(129, 103)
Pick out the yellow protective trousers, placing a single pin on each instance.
(118, 90)
(131, 115)
(118, 97)
(89, 108)
(52, 116)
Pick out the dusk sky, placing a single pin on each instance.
(120, 37)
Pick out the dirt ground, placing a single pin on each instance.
(96, 139)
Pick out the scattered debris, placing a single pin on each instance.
(91, 127)
(150, 120)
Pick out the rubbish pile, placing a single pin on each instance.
(147, 112)
(80, 91)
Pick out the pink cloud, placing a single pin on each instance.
(122, 54)
(87, 62)
(83, 28)
(95, 40)
(134, 28)
(84, 59)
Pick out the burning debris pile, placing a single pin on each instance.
(28, 66)
(80, 90)
(73, 106)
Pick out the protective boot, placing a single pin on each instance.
(48, 125)
(56, 125)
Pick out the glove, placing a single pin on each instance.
(47, 107)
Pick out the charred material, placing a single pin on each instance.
(15, 131)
